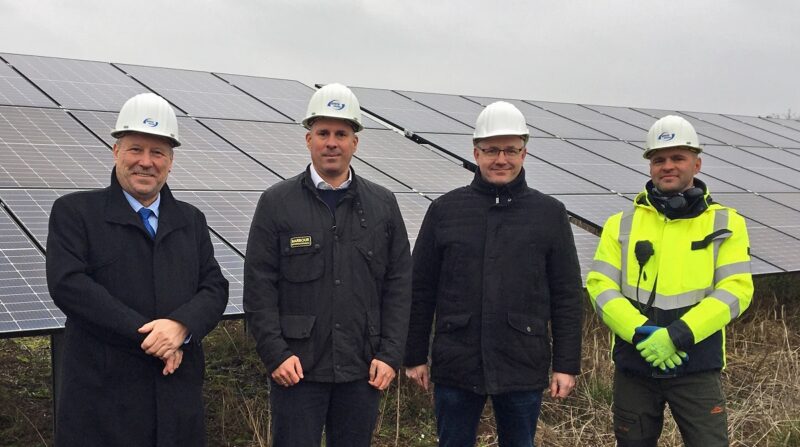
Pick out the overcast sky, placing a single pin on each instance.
(735, 56)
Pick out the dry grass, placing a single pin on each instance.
(762, 384)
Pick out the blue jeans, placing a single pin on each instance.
(458, 412)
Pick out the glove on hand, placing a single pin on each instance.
(658, 349)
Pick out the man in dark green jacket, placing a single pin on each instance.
(495, 262)
(327, 286)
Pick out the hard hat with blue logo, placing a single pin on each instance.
(334, 101)
(500, 118)
(148, 113)
(671, 131)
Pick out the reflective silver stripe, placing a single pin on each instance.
(731, 269)
(667, 302)
(720, 223)
(607, 269)
(603, 298)
(625, 224)
(728, 298)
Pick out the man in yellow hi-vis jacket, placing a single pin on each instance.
(667, 277)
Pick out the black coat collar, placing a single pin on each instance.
(503, 194)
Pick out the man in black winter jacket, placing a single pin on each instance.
(495, 262)
(327, 286)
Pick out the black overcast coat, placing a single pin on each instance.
(495, 266)
(333, 290)
(109, 277)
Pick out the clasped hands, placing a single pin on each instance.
(164, 340)
(658, 350)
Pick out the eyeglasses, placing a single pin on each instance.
(494, 152)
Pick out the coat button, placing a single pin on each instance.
(316, 246)
(337, 325)
(337, 282)
(369, 252)
(528, 328)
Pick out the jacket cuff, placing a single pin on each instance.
(682, 337)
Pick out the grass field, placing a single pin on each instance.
(762, 384)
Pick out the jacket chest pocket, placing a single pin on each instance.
(374, 249)
(302, 259)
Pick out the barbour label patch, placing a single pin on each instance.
(300, 241)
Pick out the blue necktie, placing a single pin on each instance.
(145, 214)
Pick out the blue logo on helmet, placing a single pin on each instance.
(666, 136)
(336, 105)
(150, 122)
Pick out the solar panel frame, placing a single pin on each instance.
(765, 211)
(594, 209)
(792, 124)
(585, 245)
(78, 84)
(201, 94)
(413, 207)
(754, 163)
(743, 178)
(627, 115)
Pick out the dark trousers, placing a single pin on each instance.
(348, 411)
(458, 412)
(696, 401)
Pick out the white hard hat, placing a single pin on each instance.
(500, 118)
(334, 101)
(148, 113)
(671, 131)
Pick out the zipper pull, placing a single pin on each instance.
(497, 199)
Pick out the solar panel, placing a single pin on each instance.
(454, 106)
(709, 133)
(745, 129)
(282, 148)
(203, 161)
(542, 176)
(631, 156)
(765, 211)
(762, 123)
(735, 175)
(628, 115)
(48, 148)
(405, 113)
(755, 163)
(229, 213)
(784, 157)
(594, 208)
(547, 123)
(16, 90)
(585, 245)
(773, 247)
(232, 266)
(593, 119)
(78, 84)
(585, 164)
(413, 207)
(793, 124)
(32, 207)
(202, 94)
(25, 304)
(790, 199)
(421, 169)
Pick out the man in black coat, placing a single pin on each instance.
(133, 270)
(495, 262)
(327, 286)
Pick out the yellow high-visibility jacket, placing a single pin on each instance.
(701, 268)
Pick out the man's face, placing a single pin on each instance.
(332, 143)
(673, 169)
(142, 163)
(501, 168)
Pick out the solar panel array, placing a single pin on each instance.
(241, 134)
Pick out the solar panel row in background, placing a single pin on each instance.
(241, 134)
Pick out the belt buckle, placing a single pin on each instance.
(660, 375)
